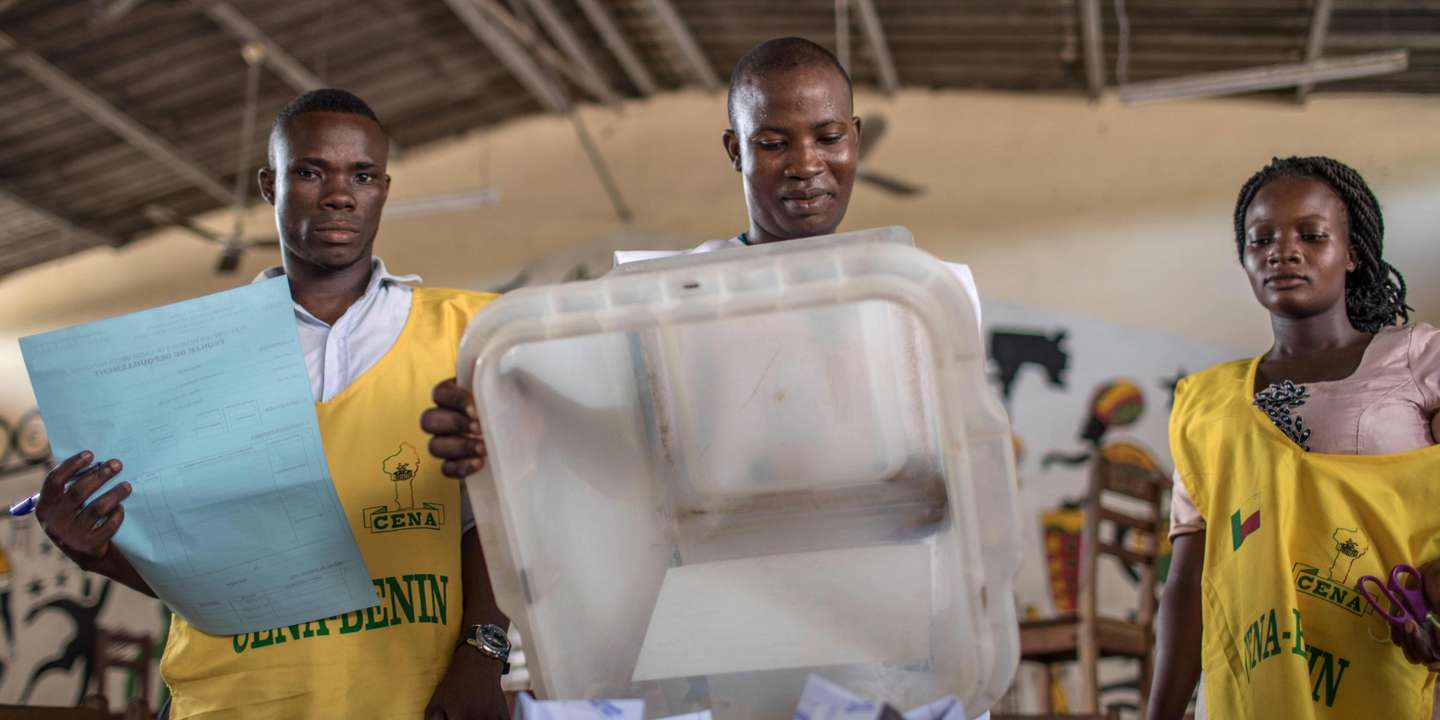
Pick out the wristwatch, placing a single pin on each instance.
(491, 641)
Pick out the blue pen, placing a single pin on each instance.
(27, 506)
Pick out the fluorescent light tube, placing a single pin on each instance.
(1268, 77)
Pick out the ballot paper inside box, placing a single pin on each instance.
(714, 476)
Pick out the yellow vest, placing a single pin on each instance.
(382, 662)
(1289, 533)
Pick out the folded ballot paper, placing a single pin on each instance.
(824, 700)
(530, 709)
(820, 700)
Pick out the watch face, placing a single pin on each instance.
(494, 637)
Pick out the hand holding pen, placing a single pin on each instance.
(81, 531)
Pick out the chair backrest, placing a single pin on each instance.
(34, 712)
(1128, 495)
(125, 651)
(1108, 715)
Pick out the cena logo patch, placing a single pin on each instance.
(402, 513)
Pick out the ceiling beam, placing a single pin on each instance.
(511, 55)
(235, 24)
(685, 43)
(1315, 44)
(110, 12)
(564, 36)
(630, 62)
(102, 112)
(1094, 47)
(532, 42)
(67, 227)
(879, 49)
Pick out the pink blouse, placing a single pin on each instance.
(1386, 406)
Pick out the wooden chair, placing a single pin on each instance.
(1083, 635)
(123, 651)
(34, 712)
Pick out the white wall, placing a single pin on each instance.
(1120, 213)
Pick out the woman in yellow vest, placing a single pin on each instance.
(1303, 469)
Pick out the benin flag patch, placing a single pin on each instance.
(1246, 521)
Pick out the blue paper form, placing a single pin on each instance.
(234, 520)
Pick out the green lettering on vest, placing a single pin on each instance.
(1272, 638)
(1250, 646)
(1353, 604)
(239, 642)
(1327, 676)
(295, 632)
(430, 520)
(279, 636)
(383, 621)
(402, 597)
(377, 622)
(311, 632)
(382, 522)
(422, 597)
(1322, 588)
(351, 622)
(262, 639)
(438, 596)
(1299, 647)
(1306, 583)
(1338, 595)
(412, 519)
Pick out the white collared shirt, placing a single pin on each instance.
(337, 355)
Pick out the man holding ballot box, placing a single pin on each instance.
(373, 346)
(794, 139)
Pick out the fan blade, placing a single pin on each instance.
(514, 283)
(229, 260)
(890, 184)
(872, 128)
(161, 215)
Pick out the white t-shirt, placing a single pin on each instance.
(962, 272)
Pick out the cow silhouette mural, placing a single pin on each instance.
(1012, 350)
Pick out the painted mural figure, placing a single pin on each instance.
(1011, 351)
(79, 650)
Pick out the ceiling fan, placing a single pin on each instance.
(234, 244)
(872, 130)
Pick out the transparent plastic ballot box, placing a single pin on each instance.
(712, 475)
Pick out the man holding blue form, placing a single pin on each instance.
(373, 348)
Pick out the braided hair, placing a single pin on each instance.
(1374, 290)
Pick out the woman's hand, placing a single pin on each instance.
(1421, 643)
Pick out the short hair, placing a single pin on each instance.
(330, 100)
(1374, 290)
(786, 53)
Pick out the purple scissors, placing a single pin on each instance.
(1404, 603)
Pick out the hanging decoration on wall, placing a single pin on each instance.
(1115, 404)
(23, 443)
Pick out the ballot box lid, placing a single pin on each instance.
(714, 474)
